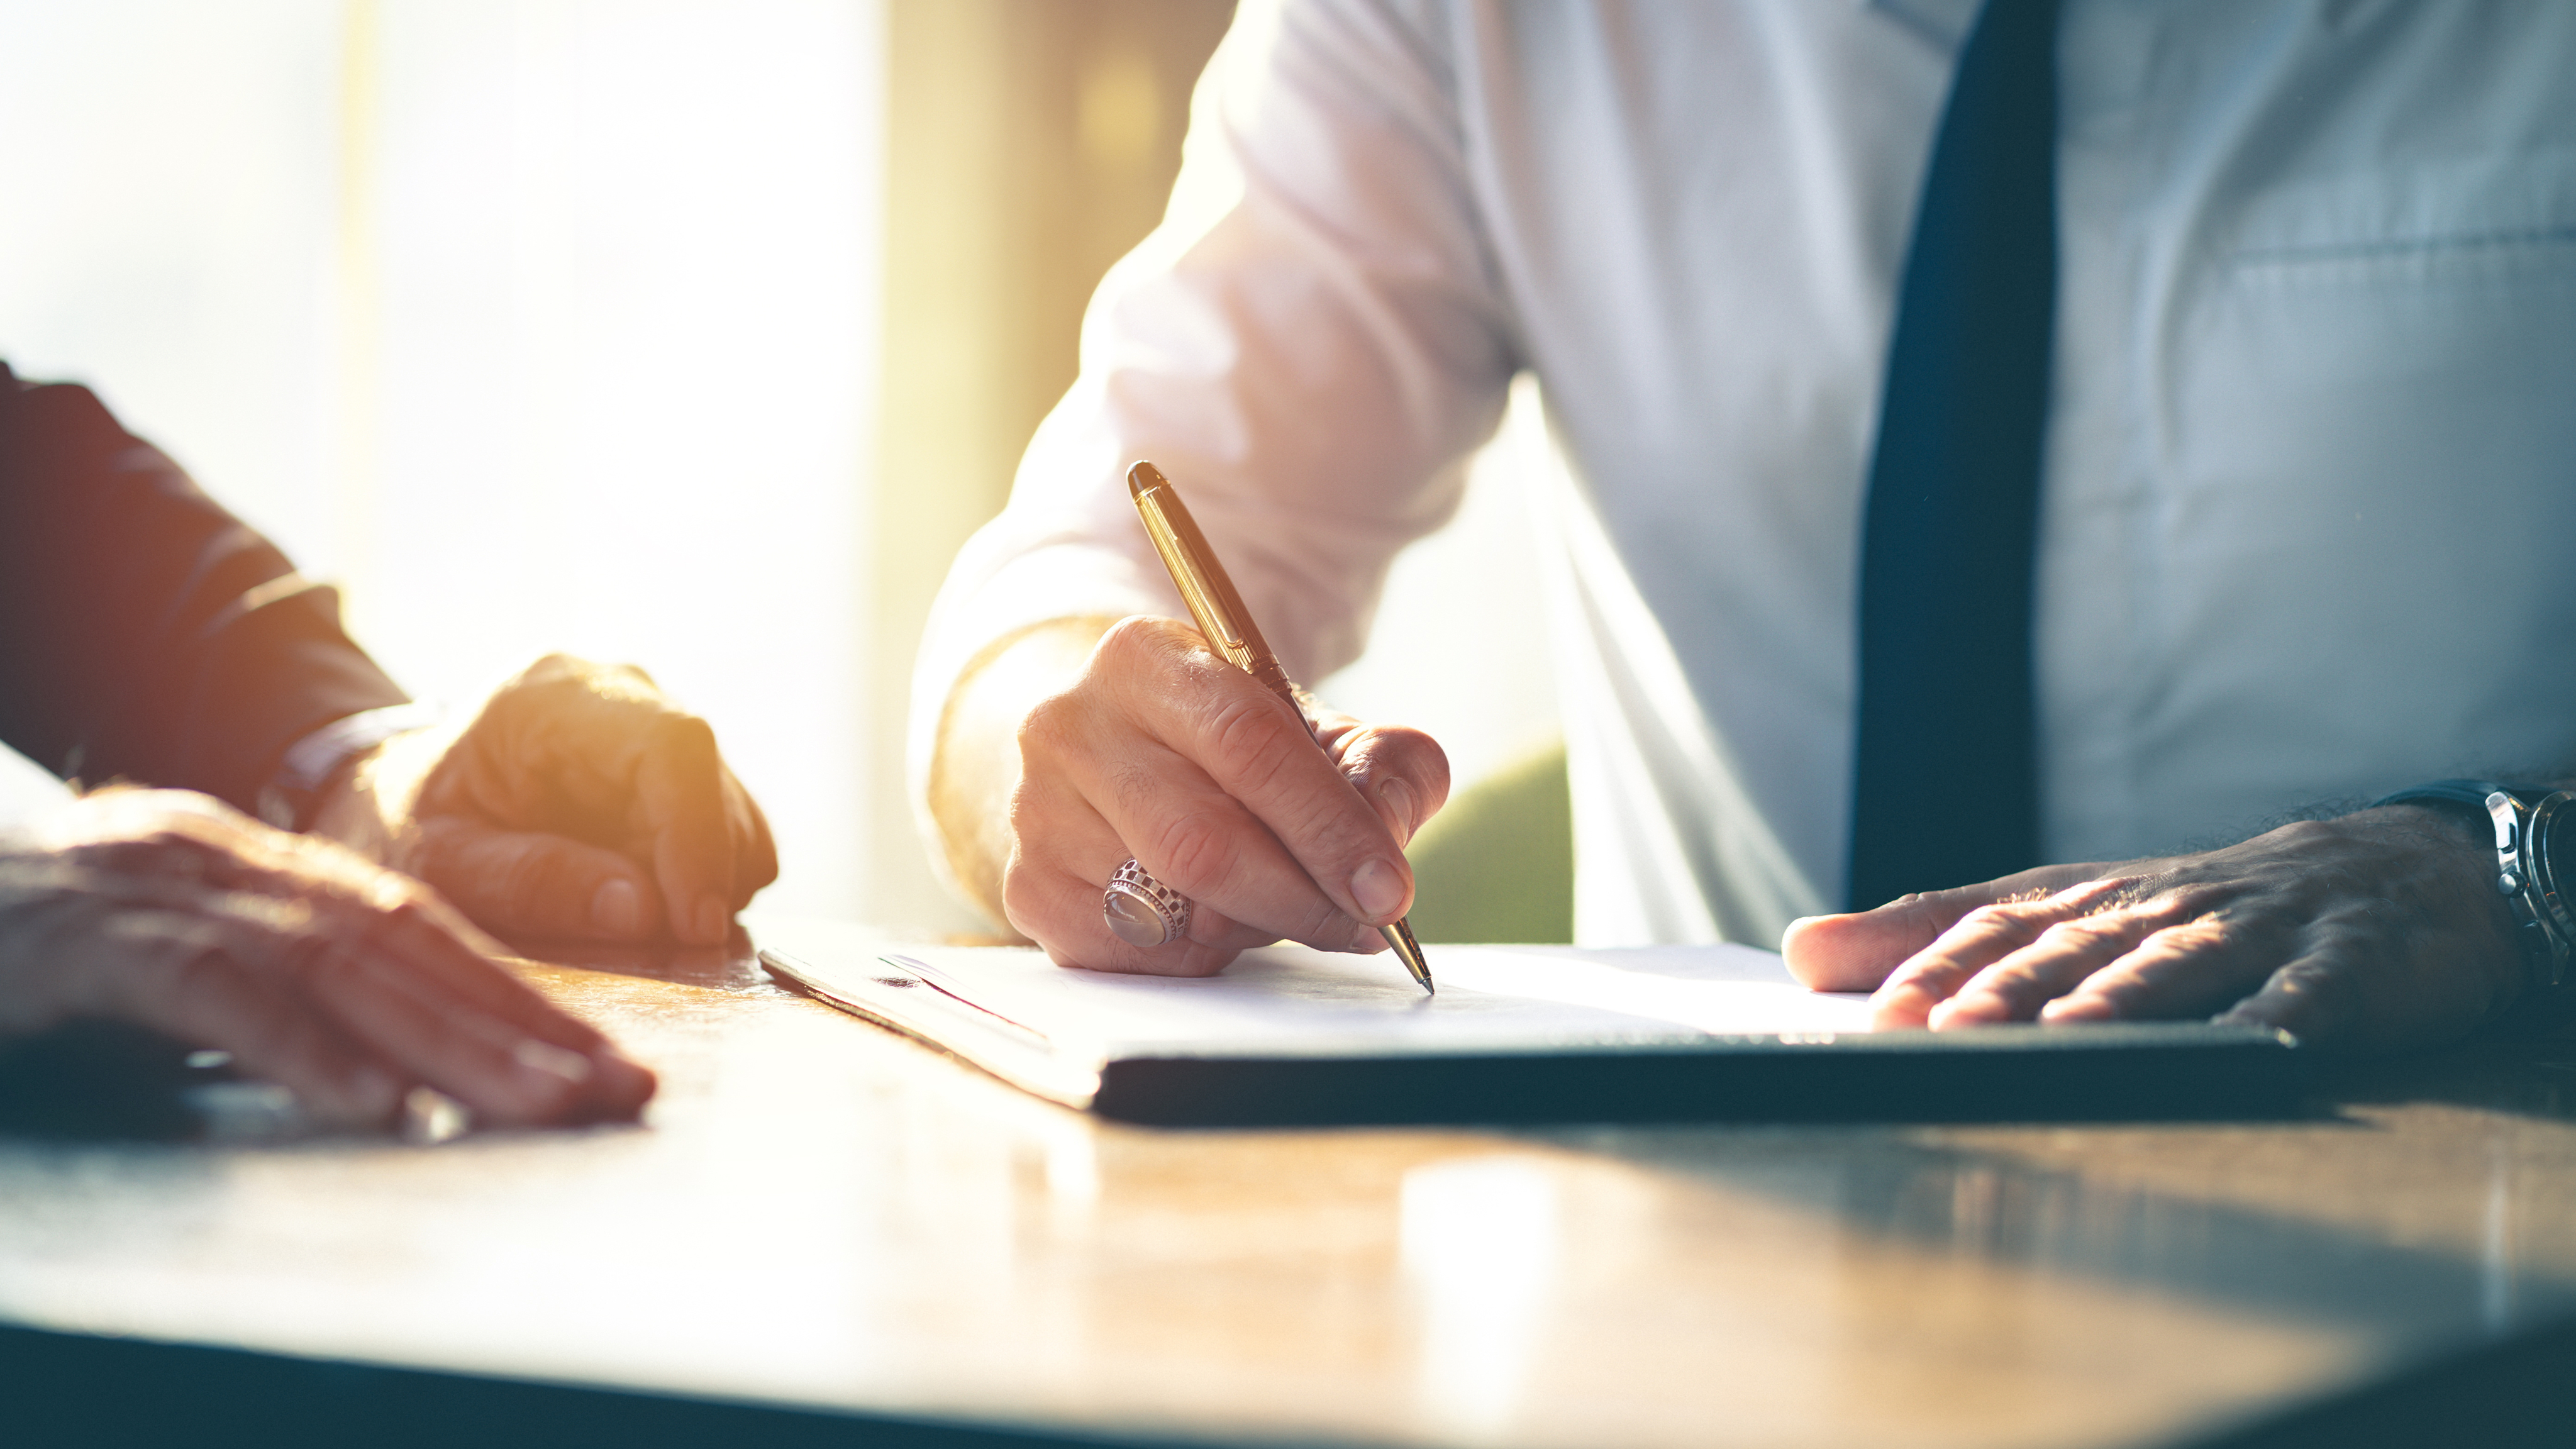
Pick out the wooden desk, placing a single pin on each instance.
(821, 1215)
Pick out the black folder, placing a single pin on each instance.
(1516, 1035)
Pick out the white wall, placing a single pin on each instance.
(540, 324)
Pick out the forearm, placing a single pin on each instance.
(975, 762)
(146, 633)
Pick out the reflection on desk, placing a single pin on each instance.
(822, 1215)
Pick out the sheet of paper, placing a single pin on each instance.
(1509, 997)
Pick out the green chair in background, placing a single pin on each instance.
(1497, 863)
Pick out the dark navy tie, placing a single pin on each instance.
(1945, 776)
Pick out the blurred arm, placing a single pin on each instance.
(146, 633)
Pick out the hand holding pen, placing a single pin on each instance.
(1135, 739)
(1137, 907)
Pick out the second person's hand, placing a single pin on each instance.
(578, 802)
(316, 969)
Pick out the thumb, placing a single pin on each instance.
(1855, 950)
(518, 883)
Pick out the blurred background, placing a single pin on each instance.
(689, 333)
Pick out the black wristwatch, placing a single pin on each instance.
(2535, 845)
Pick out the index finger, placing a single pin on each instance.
(680, 795)
(1856, 950)
(449, 1010)
(1256, 748)
(1977, 940)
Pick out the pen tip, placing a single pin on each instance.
(1143, 477)
(1399, 934)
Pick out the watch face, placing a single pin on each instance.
(2551, 858)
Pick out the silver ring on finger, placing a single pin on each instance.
(1141, 910)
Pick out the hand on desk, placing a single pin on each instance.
(578, 802)
(1159, 749)
(317, 969)
(2376, 931)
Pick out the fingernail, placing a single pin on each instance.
(1377, 888)
(714, 920)
(547, 1059)
(626, 1084)
(1399, 798)
(617, 909)
(550, 1078)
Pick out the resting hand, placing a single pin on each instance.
(2376, 931)
(316, 969)
(1161, 750)
(578, 802)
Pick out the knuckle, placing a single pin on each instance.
(1128, 636)
(1132, 786)
(2003, 919)
(1138, 644)
(1195, 852)
(1050, 726)
(2083, 934)
(1417, 755)
(684, 737)
(2013, 978)
(2211, 934)
(1250, 732)
(1325, 928)
(2312, 990)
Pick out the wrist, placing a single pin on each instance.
(975, 759)
(2528, 843)
(317, 767)
(370, 801)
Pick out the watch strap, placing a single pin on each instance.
(2544, 929)
(2472, 793)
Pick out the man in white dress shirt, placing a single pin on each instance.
(2306, 484)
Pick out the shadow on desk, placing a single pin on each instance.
(66, 1390)
(60, 1389)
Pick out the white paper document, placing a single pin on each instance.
(1282, 997)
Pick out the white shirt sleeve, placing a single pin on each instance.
(1309, 346)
